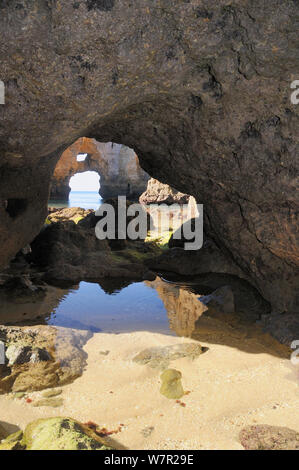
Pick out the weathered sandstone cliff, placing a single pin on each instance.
(117, 166)
(199, 89)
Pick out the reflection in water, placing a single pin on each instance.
(169, 307)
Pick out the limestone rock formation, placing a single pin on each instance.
(200, 91)
(117, 166)
(159, 193)
(40, 357)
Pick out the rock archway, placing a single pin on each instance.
(117, 165)
(200, 90)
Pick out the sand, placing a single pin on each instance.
(229, 387)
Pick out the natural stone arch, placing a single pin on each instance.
(117, 166)
(202, 94)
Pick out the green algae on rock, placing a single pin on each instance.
(13, 442)
(159, 358)
(171, 384)
(55, 434)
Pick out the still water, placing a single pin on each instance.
(84, 199)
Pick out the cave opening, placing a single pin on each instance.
(16, 207)
(116, 164)
(85, 190)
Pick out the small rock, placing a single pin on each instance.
(52, 402)
(52, 393)
(104, 353)
(17, 354)
(159, 358)
(146, 432)
(171, 384)
(19, 395)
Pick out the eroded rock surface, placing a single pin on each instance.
(160, 358)
(159, 193)
(40, 357)
(200, 92)
(265, 437)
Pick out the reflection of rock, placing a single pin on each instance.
(55, 434)
(159, 193)
(62, 359)
(29, 308)
(117, 166)
(183, 307)
(160, 358)
(237, 305)
(171, 384)
(221, 300)
(265, 437)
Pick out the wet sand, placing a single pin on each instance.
(229, 387)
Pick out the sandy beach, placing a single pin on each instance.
(226, 389)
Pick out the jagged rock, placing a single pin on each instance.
(208, 259)
(117, 166)
(202, 95)
(55, 434)
(265, 437)
(61, 358)
(17, 354)
(171, 384)
(66, 251)
(159, 193)
(69, 213)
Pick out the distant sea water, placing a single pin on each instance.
(84, 199)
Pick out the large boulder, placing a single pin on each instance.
(55, 434)
(159, 193)
(40, 357)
